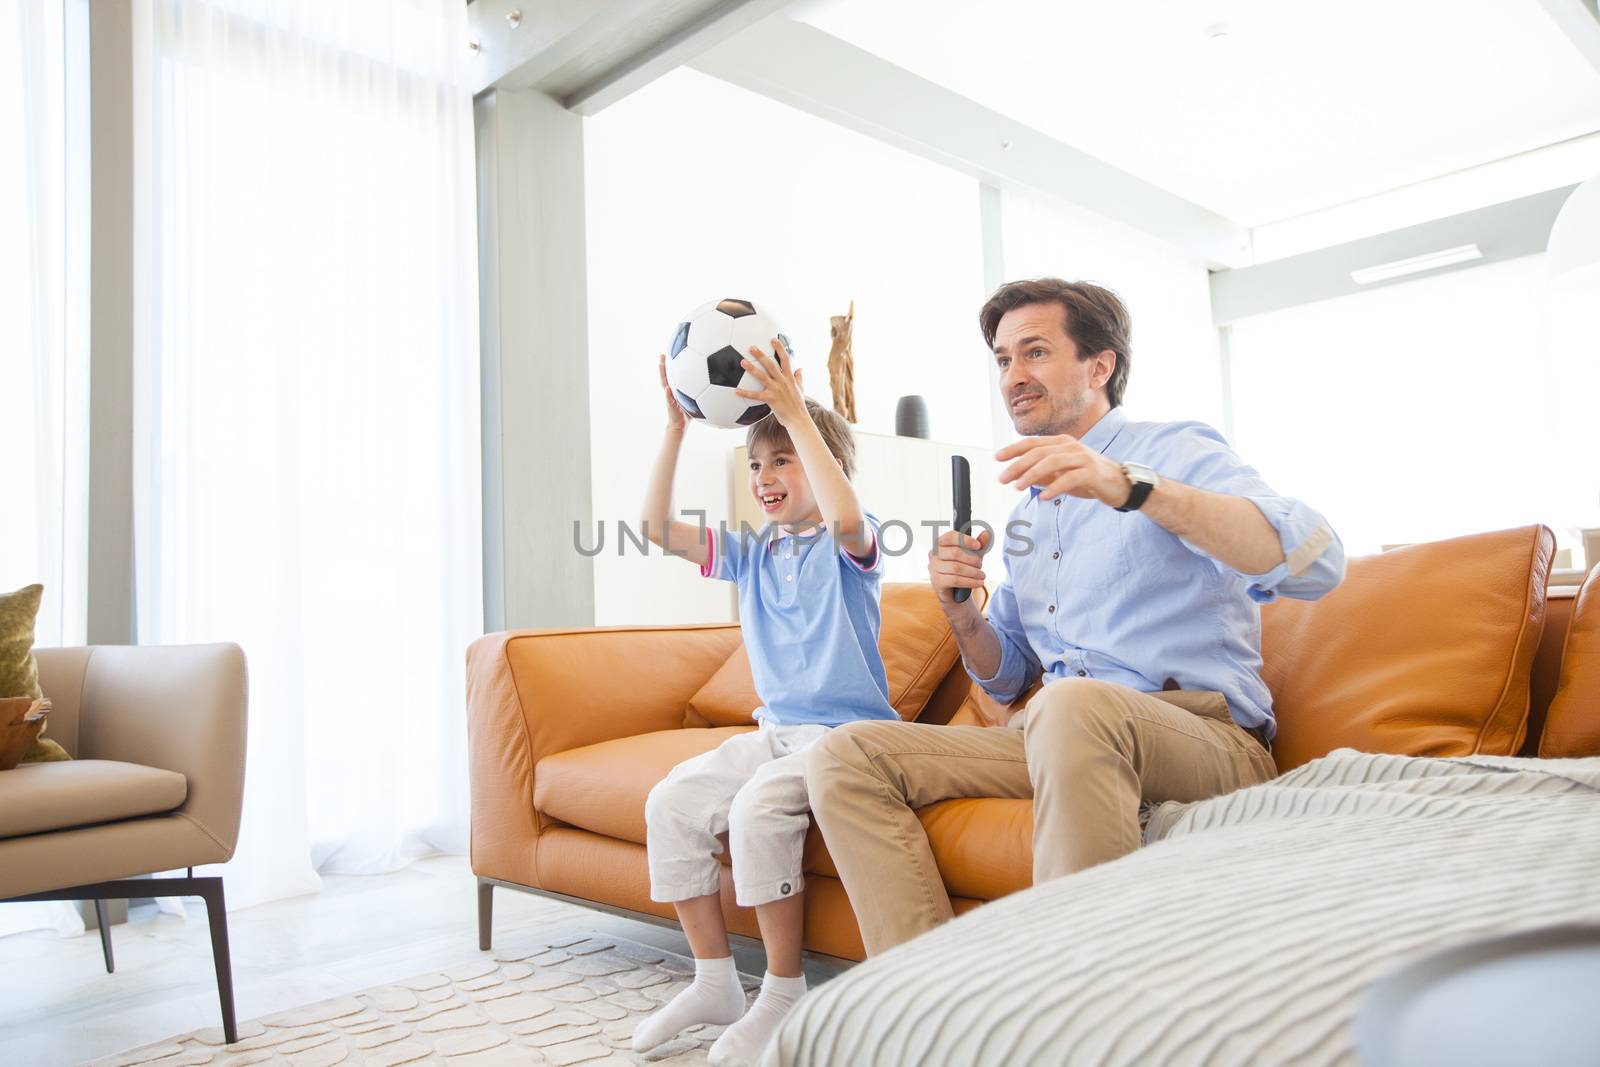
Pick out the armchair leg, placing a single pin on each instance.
(485, 913)
(102, 919)
(217, 915)
(208, 889)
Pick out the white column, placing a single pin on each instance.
(533, 279)
(990, 210)
(111, 303)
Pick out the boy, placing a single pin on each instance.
(808, 604)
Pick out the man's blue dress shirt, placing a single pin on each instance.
(1111, 595)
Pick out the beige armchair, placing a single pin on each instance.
(158, 739)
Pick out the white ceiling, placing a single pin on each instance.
(1304, 104)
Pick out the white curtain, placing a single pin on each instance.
(43, 392)
(307, 478)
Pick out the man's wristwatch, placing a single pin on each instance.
(1144, 481)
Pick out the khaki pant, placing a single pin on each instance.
(1089, 753)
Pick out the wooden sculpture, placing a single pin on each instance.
(841, 366)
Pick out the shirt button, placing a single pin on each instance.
(1058, 502)
(1052, 609)
(1055, 555)
(1083, 674)
(788, 577)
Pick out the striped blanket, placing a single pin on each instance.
(1244, 933)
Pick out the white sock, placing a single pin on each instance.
(742, 1043)
(715, 996)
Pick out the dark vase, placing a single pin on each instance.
(911, 417)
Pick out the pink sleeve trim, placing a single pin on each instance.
(865, 568)
(709, 568)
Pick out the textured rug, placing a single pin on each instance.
(552, 997)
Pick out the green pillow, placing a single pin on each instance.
(19, 674)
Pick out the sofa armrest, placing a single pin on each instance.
(532, 693)
(177, 707)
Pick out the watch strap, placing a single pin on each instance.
(1138, 494)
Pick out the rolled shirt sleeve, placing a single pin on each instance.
(1313, 555)
(1314, 560)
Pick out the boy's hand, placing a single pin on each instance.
(780, 383)
(677, 418)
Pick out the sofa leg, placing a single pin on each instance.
(485, 914)
(102, 919)
(210, 890)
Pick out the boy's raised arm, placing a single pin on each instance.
(677, 538)
(836, 497)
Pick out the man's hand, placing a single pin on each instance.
(677, 418)
(1064, 466)
(780, 384)
(955, 563)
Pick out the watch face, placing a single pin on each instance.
(1138, 472)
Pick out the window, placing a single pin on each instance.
(1430, 409)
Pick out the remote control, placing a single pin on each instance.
(961, 490)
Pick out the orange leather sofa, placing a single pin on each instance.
(1447, 648)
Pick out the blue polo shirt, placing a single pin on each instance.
(809, 612)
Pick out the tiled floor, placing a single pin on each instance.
(59, 1007)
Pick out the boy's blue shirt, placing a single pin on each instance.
(810, 616)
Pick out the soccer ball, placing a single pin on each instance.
(703, 361)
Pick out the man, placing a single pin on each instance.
(1141, 554)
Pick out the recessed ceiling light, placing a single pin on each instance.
(1416, 264)
(1218, 31)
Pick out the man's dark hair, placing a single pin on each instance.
(1096, 320)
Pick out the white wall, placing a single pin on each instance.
(1175, 371)
(1430, 409)
(698, 190)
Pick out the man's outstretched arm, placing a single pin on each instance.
(1229, 529)
(1208, 498)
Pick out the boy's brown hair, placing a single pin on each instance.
(835, 434)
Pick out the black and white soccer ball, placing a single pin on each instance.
(703, 361)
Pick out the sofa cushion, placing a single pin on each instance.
(984, 847)
(39, 797)
(602, 787)
(1572, 725)
(1425, 651)
(19, 673)
(915, 641)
